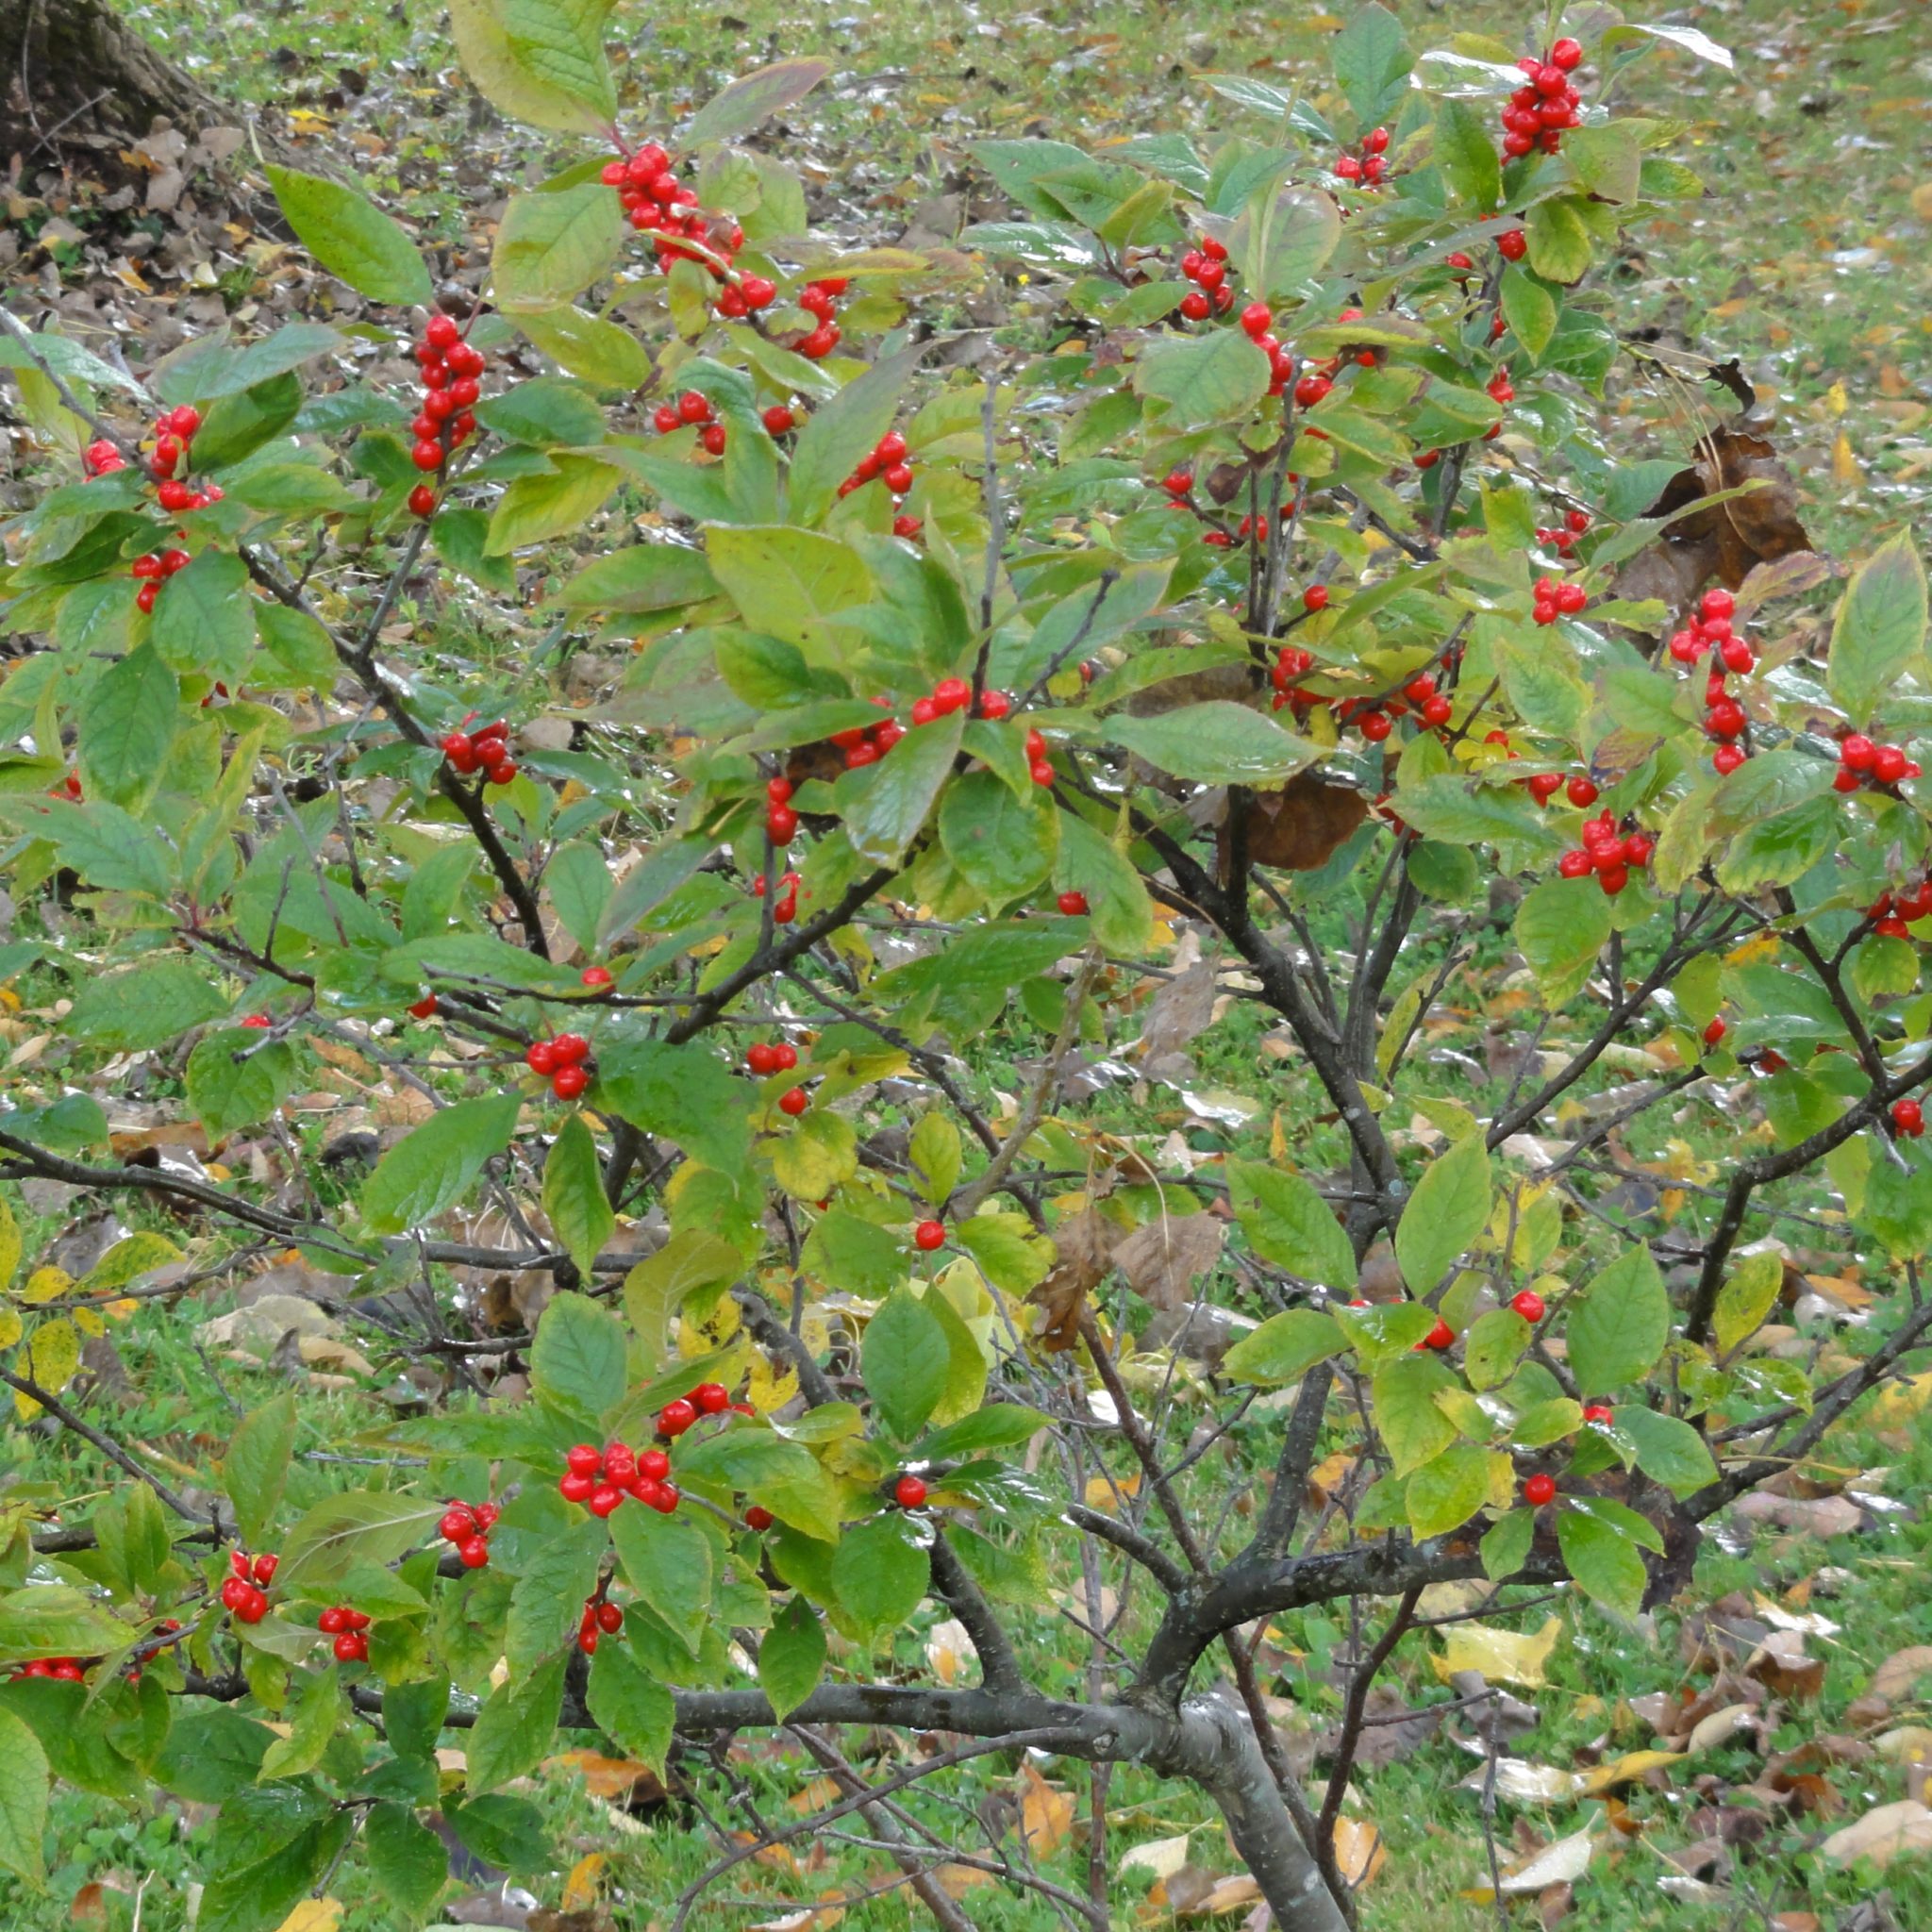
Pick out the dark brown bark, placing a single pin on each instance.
(70, 70)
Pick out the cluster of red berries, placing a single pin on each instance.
(1540, 111)
(692, 412)
(451, 368)
(1908, 1119)
(1365, 168)
(600, 1618)
(1863, 763)
(466, 1528)
(866, 744)
(657, 202)
(1206, 266)
(1610, 852)
(819, 299)
(1563, 539)
(245, 1594)
(560, 1060)
(888, 459)
(68, 1670)
(763, 1058)
(600, 1479)
(1892, 913)
(1554, 599)
(152, 572)
(1579, 790)
(486, 750)
(1712, 631)
(346, 1626)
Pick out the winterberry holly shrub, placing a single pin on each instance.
(1259, 585)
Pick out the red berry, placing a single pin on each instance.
(711, 1398)
(1073, 903)
(540, 1056)
(1315, 597)
(568, 1082)
(604, 1499)
(1441, 1336)
(929, 1234)
(475, 1554)
(713, 439)
(1375, 725)
(1540, 1489)
(258, 1022)
(1715, 1031)
(597, 977)
(574, 1488)
(428, 456)
(1727, 757)
(1908, 1118)
(693, 408)
(1597, 1412)
(779, 420)
(820, 342)
(584, 1458)
(1043, 772)
(458, 1524)
(951, 695)
(610, 1619)
(1513, 245)
(351, 1647)
(1615, 880)
(1436, 710)
(756, 291)
(676, 1416)
(908, 1492)
(796, 1102)
(781, 823)
(1888, 767)
(762, 1059)
(759, 1518)
(1581, 793)
(1528, 1303)
(1567, 55)
(263, 1569)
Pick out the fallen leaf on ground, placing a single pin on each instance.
(1163, 1856)
(1047, 1814)
(1882, 1835)
(1896, 1675)
(1508, 1656)
(1359, 1853)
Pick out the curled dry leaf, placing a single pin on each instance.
(1298, 828)
(1083, 1248)
(1505, 1657)
(1882, 1835)
(1161, 1260)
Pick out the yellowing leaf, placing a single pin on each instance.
(767, 1389)
(1504, 1656)
(1359, 1851)
(53, 1354)
(45, 1285)
(580, 1888)
(313, 1915)
(1046, 1815)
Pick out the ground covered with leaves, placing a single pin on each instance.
(1754, 1756)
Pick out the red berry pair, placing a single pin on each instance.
(346, 1626)
(152, 572)
(560, 1060)
(1864, 762)
(1892, 913)
(451, 369)
(467, 1527)
(243, 1601)
(601, 1478)
(1540, 113)
(782, 822)
(819, 299)
(599, 1619)
(1554, 600)
(866, 744)
(486, 750)
(953, 694)
(764, 1059)
(1367, 164)
(1908, 1119)
(785, 909)
(692, 411)
(1563, 537)
(1037, 761)
(887, 461)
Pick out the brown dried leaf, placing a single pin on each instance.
(1882, 1834)
(1084, 1246)
(1178, 1011)
(1895, 1677)
(1299, 827)
(1162, 1259)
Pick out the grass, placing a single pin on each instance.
(1805, 263)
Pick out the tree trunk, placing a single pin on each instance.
(70, 70)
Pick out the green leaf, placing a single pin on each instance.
(356, 1526)
(886, 804)
(1287, 1223)
(126, 726)
(817, 1155)
(1562, 927)
(1669, 1451)
(1606, 1566)
(259, 1894)
(667, 1561)
(784, 1476)
(1000, 1425)
(934, 1153)
(1410, 1421)
(516, 1729)
(150, 1005)
(635, 1711)
(1284, 1348)
(236, 1078)
(1199, 380)
(1506, 1545)
(1285, 239)
(586, 345)
(786, 582)
(552, 503)
(1371, 62)
(1779, 850)
(752, 99)
(1466, 153)
(574, 1199)
(433, 1167)
(1560, 244)
(548, 1598)
(312, 1717)
(1529, 308)
(1004, 845)
(1011, 1257)
(683, 1094)
(544, 411)
(640, 578)
(204, 618)
(540, 62)
(352, 238)
(256, 1465)
(1898, 1208)
(1880, 628)
(653, 1289)
(880, 1573)
(407, 1861)
(1449, 1208)
(836, 434)
(1447, 1489)
(578, 1358)
(1120, 913)
(1618, 1328)
(23, 1778)
(1494, 1346)
(211, 369)
(1219, 743)
(56, 1621)
(501, 1831)
(904, 1359)
(791, 1657)
(1747, 1298)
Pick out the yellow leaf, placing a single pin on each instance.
(53, 1354)
(1358, 1850)
(766, 1390)
(1502, 1656)
(1898, 1403)
(46, 1285)
(1845, 468)
(1624, 1769)
(313, 1915)
(10, 1326)
(1046, 1815)
(580, 1888)
(1836, 400)
(1102, 1493)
